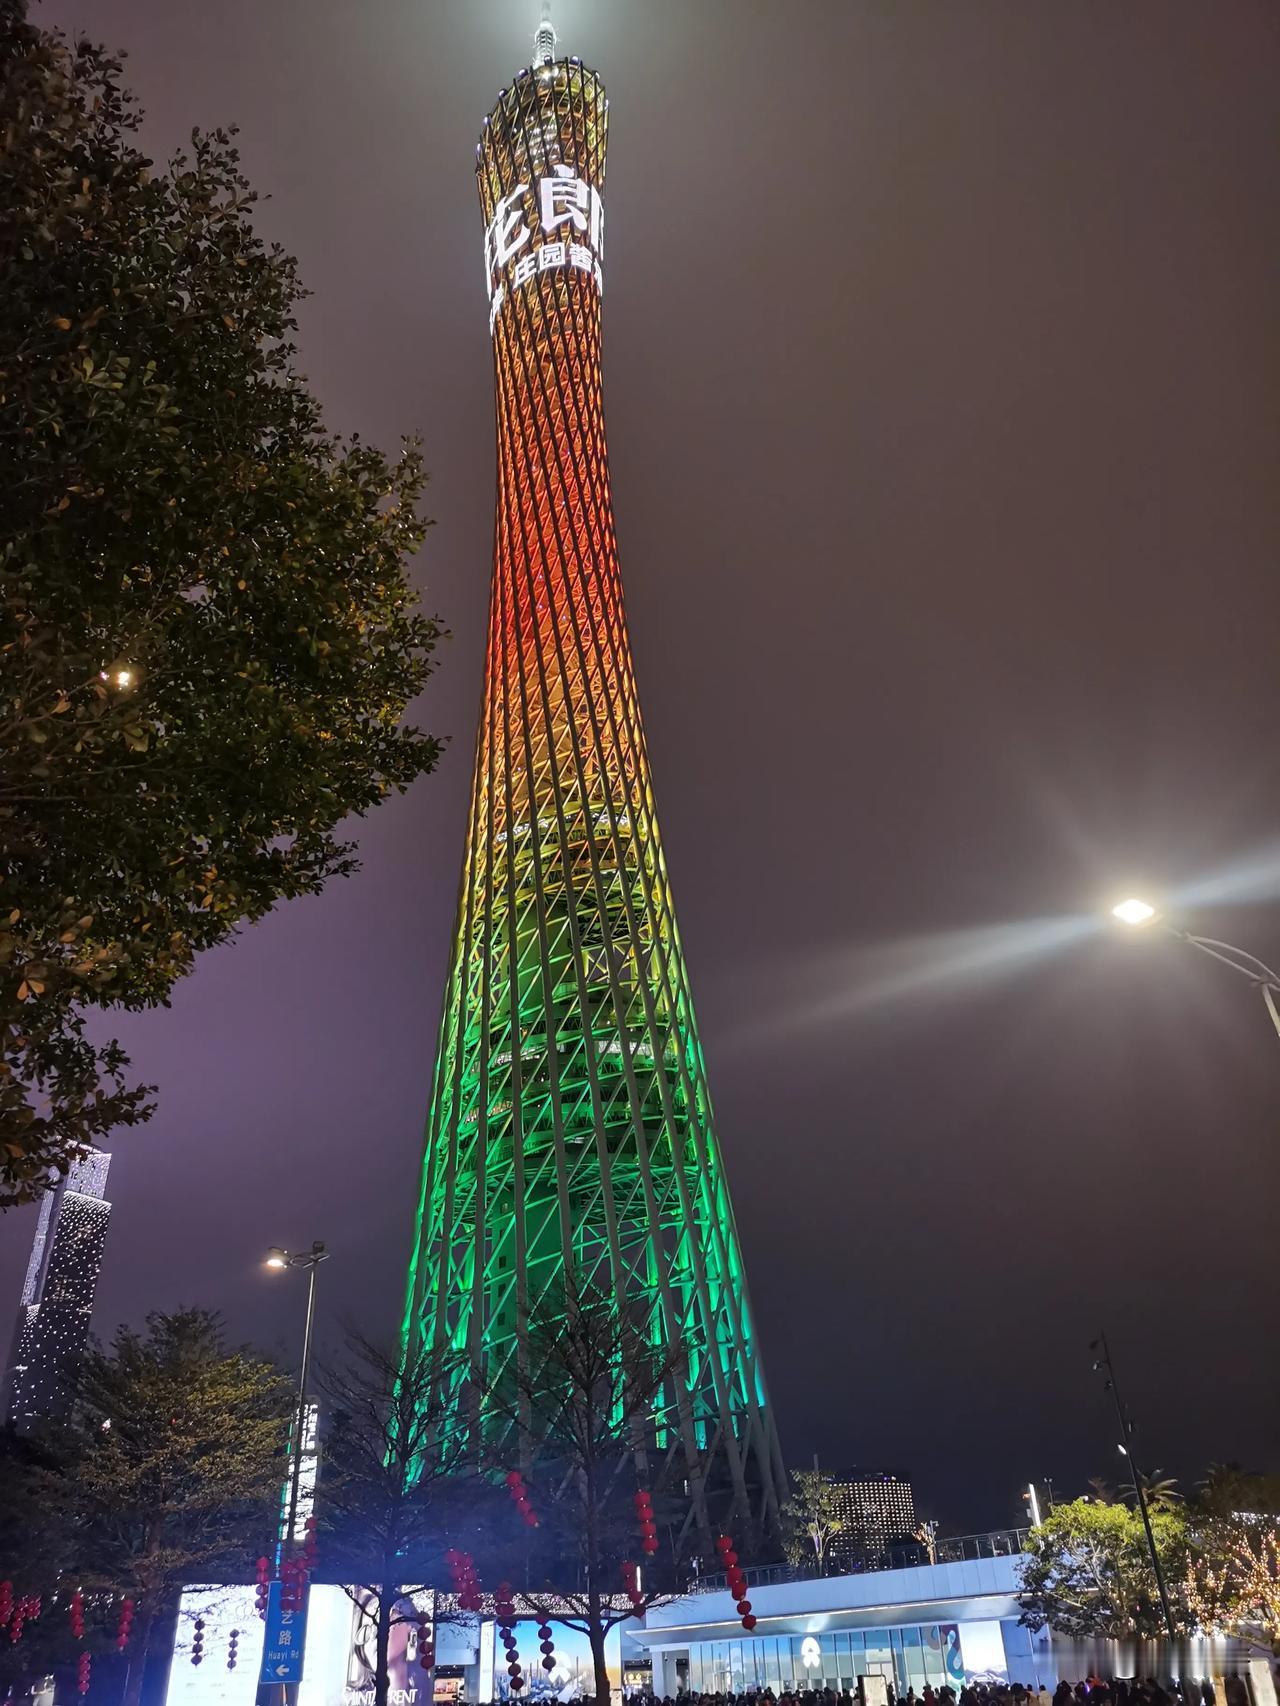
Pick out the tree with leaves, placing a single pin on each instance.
(586, 1405)
(181, 1466)
(37, 1534)
(811, 1518)
(395, 1479)
(1087, 1572)
(1233, 1578)
(207, 631)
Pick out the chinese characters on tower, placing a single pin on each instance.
(558, 221)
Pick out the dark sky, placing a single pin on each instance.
(942, 378)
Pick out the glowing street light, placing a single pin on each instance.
(122, 675)
(276, 1257)
(1134, 911)
(1137, 914)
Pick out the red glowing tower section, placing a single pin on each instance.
(571, 1139)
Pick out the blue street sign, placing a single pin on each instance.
(285, 1638)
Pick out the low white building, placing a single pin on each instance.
(934, 1623)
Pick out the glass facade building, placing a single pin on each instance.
(908, 1656)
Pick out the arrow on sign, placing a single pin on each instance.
(282, 1670)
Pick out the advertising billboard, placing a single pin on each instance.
(338, 1662)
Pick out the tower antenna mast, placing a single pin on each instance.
(544, 38)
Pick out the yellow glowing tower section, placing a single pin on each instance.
(571, 1131)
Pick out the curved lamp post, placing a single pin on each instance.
(1139, 915)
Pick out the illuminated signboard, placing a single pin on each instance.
(340, 1652)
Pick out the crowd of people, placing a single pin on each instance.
(1090, 1691)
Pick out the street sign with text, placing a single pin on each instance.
(285, 1638)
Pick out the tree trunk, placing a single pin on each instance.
(140, 1647)
(595, 1634)
(595, 1569)
(382, 1674)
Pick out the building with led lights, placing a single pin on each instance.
(58, 1293)
(570, 1139)
(876, 1513)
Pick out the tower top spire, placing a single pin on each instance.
(544, 37)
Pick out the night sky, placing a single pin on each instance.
(941, 371)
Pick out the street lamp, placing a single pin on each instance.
(1140, 914)
(278, 1258)
(1102, 1363)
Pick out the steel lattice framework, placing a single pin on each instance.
(571, 1130)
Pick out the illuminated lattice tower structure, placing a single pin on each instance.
(58, 1293)
(571, 1131)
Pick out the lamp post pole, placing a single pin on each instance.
(1266, 981)
(1103, 1361)
(1139, 914)
(311, 1261)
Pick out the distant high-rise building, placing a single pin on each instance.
(877, 1511)
(57, 1296)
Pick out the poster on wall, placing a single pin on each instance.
(573, 1675)
(952, 1661)
(982, 1649)
(341, 1636)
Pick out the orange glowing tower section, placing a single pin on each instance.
(571, 1136)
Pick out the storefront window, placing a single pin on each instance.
(913, 1657)
(768, 1657)
(879, 1653)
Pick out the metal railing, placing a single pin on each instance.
(902, 1554)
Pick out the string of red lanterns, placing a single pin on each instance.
(125, 1624)
(504, 1611)
(548, 1647)
(82, 1674)
(197, 1642)
(736, 1580)
(520, 1497)
(648, 1527)
(233, 1642)
(75, 1615)
(466, 1584)
(262, 1592)
(22, 1611)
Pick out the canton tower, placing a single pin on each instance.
(571, 1138)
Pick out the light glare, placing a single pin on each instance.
(1133, 911)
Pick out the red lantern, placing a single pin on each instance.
(730, 1559)
(75, 1615)
(748, 1622)
(233, 1641)
(723, 1544)
(744, 1607)
(82, 1674)
(197, 1642)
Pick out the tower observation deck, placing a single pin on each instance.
(570, 1138)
